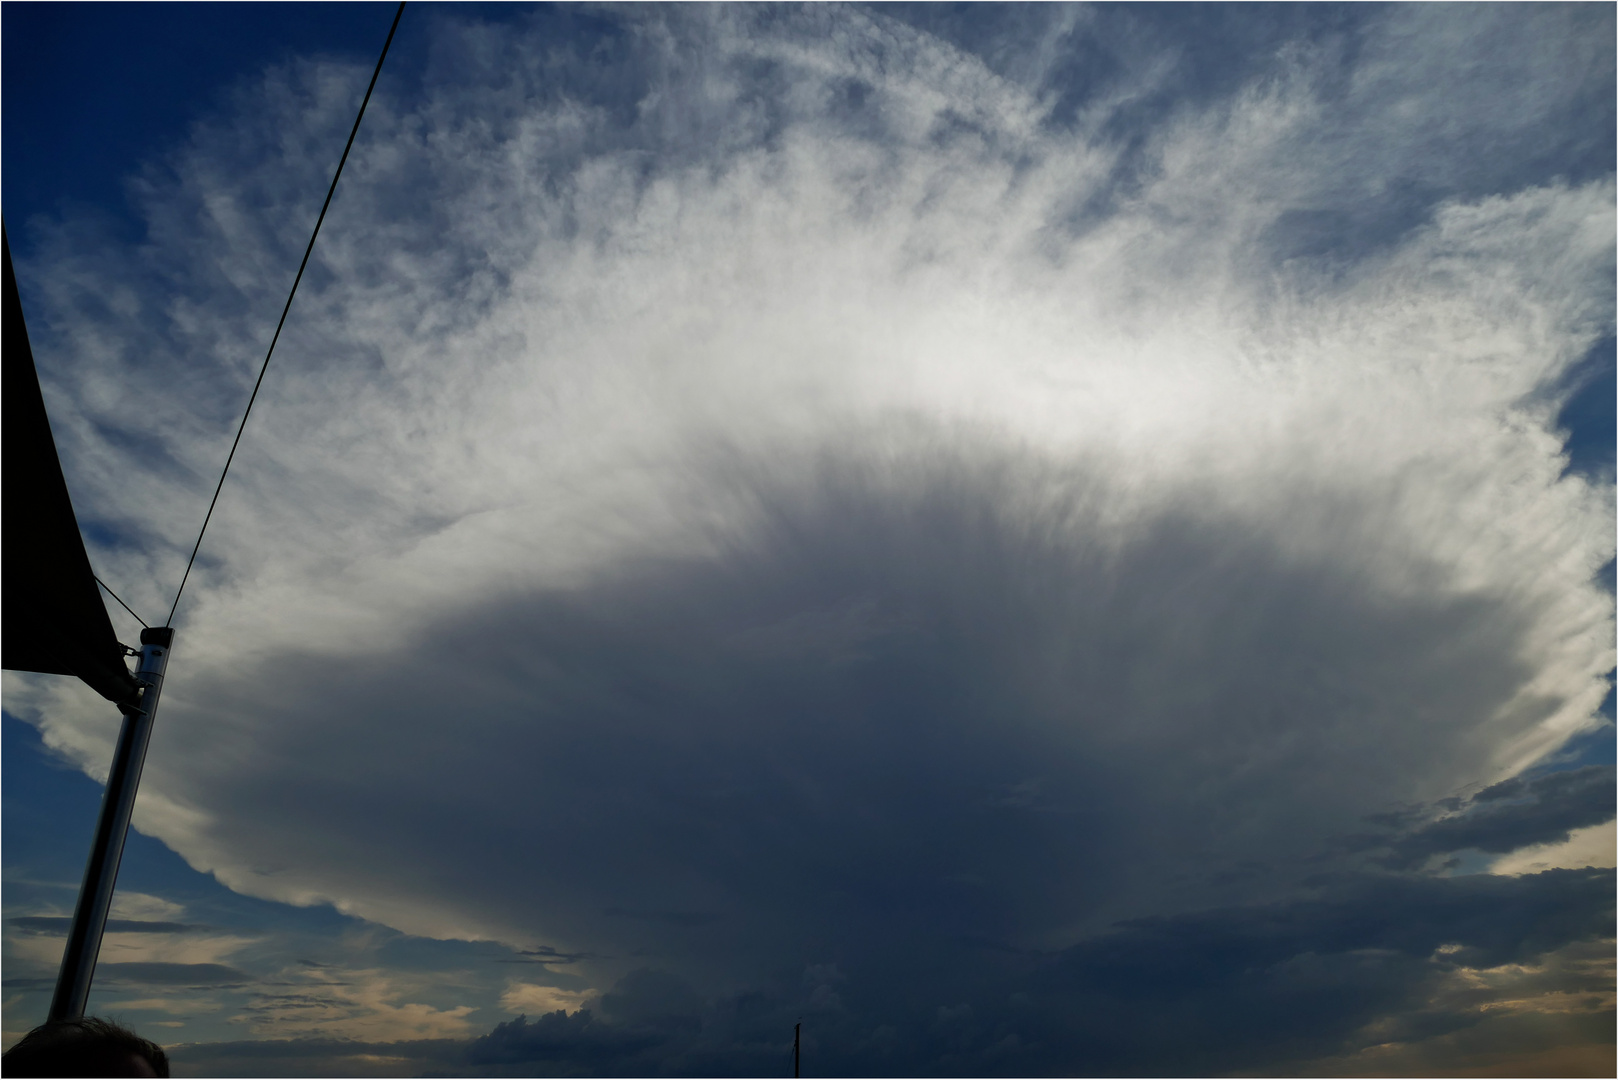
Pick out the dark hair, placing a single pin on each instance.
(87, 1046)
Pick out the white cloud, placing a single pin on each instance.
(656, 531)
(129, 904)
(141, 947)
(1566, 999)
(524, 997)
(369, 1005)
(180, 1006)
(1591, 846)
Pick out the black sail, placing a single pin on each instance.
(52, 616)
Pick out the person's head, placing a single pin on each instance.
(87, 1046)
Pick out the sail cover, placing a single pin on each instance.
(53, 617)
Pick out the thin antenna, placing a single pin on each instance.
(797, 1031)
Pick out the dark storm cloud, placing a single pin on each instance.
(1241, 989)
(671, 918)
(157, 973)
(1234, 989)
(53, 924)
(894, 704)
(545, 954)
(319, 1057)
(1494, 919)
(29, 984)
(1540, 808)
(1369, 960)
(573, 1039)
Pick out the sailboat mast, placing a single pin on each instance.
(112, 827)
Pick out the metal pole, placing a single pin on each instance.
(797, 1029)
(117, 804)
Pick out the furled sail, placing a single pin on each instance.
(52, 617)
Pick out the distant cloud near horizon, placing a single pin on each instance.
(1034, 551)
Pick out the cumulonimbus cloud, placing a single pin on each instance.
(819, 504)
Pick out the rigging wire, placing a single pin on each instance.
(121, 604)
(288, 307)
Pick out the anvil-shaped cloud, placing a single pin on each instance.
(752, 489)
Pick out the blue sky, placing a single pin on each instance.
(1035, 539)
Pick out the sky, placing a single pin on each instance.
(1030, 539)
